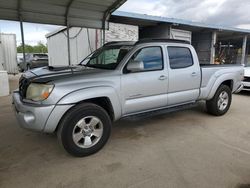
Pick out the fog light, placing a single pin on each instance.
(29, 117)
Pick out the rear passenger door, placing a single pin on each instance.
(184, 75)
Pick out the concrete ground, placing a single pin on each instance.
(184, 149)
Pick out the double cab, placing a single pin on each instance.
(121, 79)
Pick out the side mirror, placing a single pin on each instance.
(135, 66)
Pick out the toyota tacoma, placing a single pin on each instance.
(121, 79)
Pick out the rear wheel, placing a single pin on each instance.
(221, 101)
(84, 130)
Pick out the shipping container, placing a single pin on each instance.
(8, 53)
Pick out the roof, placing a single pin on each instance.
(128, 43)
(79, 13)
(146, 20)
(58, 30)
(148, 40)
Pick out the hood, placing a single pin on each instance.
(49, 73)
(247, 71)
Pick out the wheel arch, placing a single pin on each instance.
(103, 102)
(221, 81)
(105, 97)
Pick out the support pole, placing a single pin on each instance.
(19, 3)
(23, 44)
(68, 43)
(213, 42)
(244, 46)
(68, 25)
(103, 37)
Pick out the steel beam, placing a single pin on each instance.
(68, 27)
(244, 46)
(212, 51)
(21, 27)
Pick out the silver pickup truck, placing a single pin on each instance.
(119, 80)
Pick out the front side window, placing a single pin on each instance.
(151, 57)
(179, 57)
(107, 57)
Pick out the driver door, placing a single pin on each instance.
(146, 89)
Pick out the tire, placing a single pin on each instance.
(84, 130)
(221, 101)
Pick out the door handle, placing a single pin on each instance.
(194, 74)
(162, 77)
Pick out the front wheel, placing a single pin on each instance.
(221, 101)
(84, 130)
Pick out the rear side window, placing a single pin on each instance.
(179, 57)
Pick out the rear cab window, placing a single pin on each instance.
(179, 57)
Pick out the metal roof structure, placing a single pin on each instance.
(81, 13)
(78, 13)
(148, 20)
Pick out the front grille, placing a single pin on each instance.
(246, 87)
(23, 85)
(246, 79)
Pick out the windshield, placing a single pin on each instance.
(107, 57)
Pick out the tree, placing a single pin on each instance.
(39, 48)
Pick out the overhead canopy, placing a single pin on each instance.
(81, 13)
(144, 20)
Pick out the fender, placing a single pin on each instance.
(218, 81)
(94, 92)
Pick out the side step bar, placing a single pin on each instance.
(160, 111)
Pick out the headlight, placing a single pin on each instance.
(39, 92)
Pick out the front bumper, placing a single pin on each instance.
(42, 118)
(30, 116)
(246, 86)
(239, 89)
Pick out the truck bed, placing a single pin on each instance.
(212, 73)
(219, 65)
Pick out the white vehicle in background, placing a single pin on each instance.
(246, 81)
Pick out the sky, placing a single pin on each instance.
(234, 13)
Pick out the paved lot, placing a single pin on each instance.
(183, 149)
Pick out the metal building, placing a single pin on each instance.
(213, 43)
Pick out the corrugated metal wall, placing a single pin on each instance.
(1, 56)
(9, 53)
